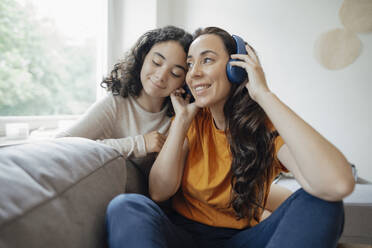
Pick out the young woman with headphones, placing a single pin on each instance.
(221, 155)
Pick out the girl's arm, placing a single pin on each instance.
(167, 170)
(320, 168)
(97, 124)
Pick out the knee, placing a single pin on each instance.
(332, 210)
(327, 216)
(126, 203)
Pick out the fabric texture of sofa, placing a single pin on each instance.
(54, 193)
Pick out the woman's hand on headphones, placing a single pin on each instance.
(257, 84)
(182, 106)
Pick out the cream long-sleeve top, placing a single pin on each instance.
(120, 123)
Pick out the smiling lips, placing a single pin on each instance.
(200, 89)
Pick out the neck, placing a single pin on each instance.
(218, 117)
(149, 103)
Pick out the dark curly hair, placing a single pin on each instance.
(251, 142)
(125, 79)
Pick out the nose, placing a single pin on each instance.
(161, 74)
(195, 71)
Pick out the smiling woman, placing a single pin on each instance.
(207, 76)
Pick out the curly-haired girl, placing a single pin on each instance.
(134, 117)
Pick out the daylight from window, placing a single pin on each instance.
(47, 56)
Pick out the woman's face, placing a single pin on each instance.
(163, 69)
(206, 76)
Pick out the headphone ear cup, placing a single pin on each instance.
(237, 74)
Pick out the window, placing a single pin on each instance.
(48, 57)
(48, 50)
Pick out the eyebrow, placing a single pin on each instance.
(178, 66)
(204, 52)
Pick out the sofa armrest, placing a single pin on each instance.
(54, 193)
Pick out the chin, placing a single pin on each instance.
(153, 93)
(202, 103)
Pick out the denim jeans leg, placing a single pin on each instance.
(310, 222)
(301, 221)
(133, 220)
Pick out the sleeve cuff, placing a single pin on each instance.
(140, 149)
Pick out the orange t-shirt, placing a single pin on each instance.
(204, 195)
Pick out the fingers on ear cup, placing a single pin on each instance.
(237, 74)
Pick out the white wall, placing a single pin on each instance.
(127, 21)
(337, 103)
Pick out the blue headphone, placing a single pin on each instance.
(237, 74)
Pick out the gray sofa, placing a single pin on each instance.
(54, 193)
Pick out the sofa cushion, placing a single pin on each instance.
(54, 193)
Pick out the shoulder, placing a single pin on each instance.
(118, 102)
(111, 105)
(118, 98)
(109, 99)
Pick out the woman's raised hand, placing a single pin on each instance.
(256, 84)
(182, 106)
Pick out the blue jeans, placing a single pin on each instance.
(303, 221)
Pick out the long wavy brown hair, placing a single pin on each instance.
(125, 79)
(251, 142)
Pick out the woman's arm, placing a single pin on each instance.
(320, 168)
(167, 170)
(95, 123)
(128, 146)
(98, 122)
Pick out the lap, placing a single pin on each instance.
(134, 220)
